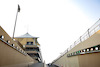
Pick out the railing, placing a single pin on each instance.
(93, 29)
(86, 35)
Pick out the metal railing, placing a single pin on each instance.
(86, 35)
(93, 29)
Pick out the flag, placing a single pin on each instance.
(18, 8)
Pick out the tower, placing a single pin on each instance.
(30, 45)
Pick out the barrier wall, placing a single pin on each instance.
(83, 60)
(89, 60)
(12, 56)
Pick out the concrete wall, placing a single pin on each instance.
(92, 41)
(87, 60)
(10, 57)
(64, 61)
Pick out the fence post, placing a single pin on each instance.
(74, 42)
(80, 39)
(70, 47)
(88, 32)
(67, 50)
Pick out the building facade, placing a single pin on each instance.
(31, 46)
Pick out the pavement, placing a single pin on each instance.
(42, 65)
(53, 65)
(37, 65)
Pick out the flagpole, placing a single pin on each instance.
(18, 10)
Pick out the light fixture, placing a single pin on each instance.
(8, 41)
(91, 49)
(13, 44)
(13, 39)
(84, 50)
(23, 46)
(17, 48)
(81, 51)
(2, 37)
(96, 48)
(87, 49)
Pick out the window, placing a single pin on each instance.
(31, 49)
(29, 43)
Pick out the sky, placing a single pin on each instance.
(57, 23)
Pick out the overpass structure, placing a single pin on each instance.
(85, 52)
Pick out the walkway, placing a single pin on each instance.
(42, 65)
(37, 65)
(53, 65)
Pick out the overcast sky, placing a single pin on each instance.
(58, 23)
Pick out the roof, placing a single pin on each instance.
(27, 35)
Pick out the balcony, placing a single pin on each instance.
(31, 46)
(31, 51)
(34, 55)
